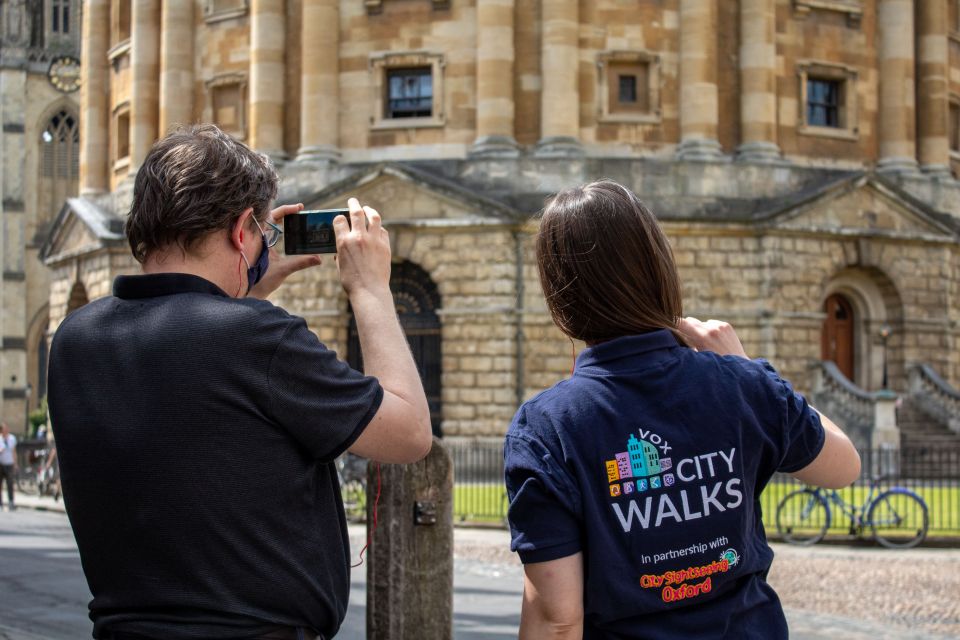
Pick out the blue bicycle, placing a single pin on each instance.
(897, 517)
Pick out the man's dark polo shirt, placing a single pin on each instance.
(196, 434)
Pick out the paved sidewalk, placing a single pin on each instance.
(828, 592)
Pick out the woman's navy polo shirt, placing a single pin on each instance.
(650, 461)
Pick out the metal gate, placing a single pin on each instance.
(416, 299)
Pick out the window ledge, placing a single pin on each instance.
(829, 132)
(631, 118)
(121, 164)
(226, 14)
(954, 155)
(406, 123)
(954, 36)
(119, 49)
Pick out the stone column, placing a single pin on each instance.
(495, 71)
(933, 102)
(559, 97)
(699, 102)
(145, 79)
(176, 65)
(267, 70)
(320, 81)
(898, 147)
(758, 81)
(94, 94)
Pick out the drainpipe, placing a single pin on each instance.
(518, 313)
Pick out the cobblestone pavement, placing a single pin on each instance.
(828, 592)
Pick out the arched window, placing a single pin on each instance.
(59, 163)
(417, 300)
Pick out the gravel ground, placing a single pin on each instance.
(917, 589)
(858, 592)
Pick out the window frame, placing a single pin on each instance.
(609, 65)
(848, 107)
(223, 80)
(122, 110)
(381, 63)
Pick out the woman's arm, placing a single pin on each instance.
(838, 463)
(553, 599)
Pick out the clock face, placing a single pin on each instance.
(64, 74)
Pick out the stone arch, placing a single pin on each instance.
(78, 297)
(417, 300)
(37, 351)
(876, 302)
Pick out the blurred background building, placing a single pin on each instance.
(39, 140)
(801, 154)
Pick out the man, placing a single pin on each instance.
(8, 464)
(197, 424)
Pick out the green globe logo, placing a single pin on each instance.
(731, 556)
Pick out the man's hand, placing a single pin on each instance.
(712, 335)
(363, 251)
(282, 266)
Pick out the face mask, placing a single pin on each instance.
(259, 269)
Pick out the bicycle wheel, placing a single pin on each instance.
(803, 517)
(898, 519)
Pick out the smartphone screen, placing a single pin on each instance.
(311, 231)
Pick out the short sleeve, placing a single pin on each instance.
(544, 502)
(320, 400)
(803, 435)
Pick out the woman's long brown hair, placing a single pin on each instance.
(606, 267)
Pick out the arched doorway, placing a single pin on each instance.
(78, 297)
(417, 299)
(837, 339)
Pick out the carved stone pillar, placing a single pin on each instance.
(320, 81)
(94, 93)
(145, 79)
(176, 65)
(495, 71)
(898, 147)
(933, 101)
(267, 71)
(699, 101)
(560, 97)
(758, 81)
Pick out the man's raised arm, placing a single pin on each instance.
(400, 431)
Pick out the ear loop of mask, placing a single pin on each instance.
(573, 357)
(240, 262)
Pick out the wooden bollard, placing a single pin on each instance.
(410, 573)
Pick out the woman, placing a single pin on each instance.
(634, 484)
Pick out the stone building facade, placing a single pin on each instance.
(800, 153)
(39, 70)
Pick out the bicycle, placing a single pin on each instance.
(897, 517)
(352, 474)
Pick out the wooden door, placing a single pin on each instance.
(837, 336)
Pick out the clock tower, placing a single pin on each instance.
(39, 139)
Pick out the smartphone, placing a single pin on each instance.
(311, 231)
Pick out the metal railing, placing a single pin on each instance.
(934, 474)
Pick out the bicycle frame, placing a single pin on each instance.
(852, 511)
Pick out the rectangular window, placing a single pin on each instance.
(824, 102)
(121, 21)
(123, 135)
(629, 87)
(409, 93)
(228, 108)
(628, 90)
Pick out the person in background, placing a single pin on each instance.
(8, 464)
(634, 484)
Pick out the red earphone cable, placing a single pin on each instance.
(376, 503)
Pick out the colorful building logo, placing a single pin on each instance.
(638, 469)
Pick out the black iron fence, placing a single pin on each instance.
(933, 474)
